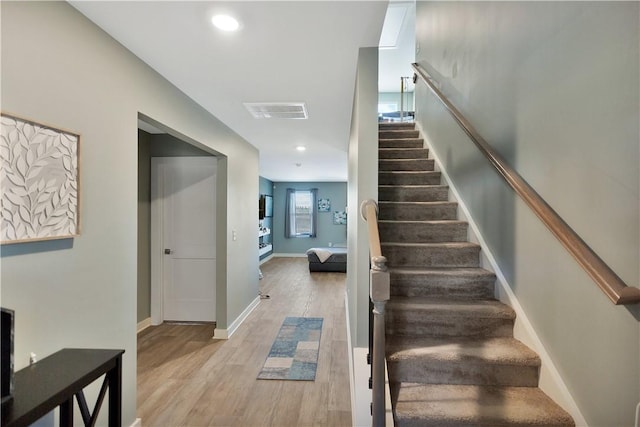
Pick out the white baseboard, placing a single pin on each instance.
(289, 255)
(138, 421)
(550, 380)
(225, 334)
(144, 324)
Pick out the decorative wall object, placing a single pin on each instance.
(40, 181)
(324, 205)
(340, 217)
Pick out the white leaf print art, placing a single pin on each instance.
(39, 181)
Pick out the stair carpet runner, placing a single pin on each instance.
(451, 356)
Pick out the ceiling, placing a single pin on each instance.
(290, 51)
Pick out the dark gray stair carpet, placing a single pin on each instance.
(417, 211)
(446, 405)
(409, 178)
(401, 143)
(403, 153)
(465, 283)
(440, 317)
(422, 231)
(486, 361)
(451, 356)
(405, 164)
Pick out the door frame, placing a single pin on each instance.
(157, 237)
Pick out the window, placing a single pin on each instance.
(300, 213)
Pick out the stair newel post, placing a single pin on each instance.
(380, 294)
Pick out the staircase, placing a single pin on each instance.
(451, 356)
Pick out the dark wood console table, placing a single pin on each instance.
(57, 379)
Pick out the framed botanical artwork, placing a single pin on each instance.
(40, 181)
(340, 217)
(324, 205)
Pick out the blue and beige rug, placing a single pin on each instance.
(294, 353)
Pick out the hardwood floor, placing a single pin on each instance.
(185, 378)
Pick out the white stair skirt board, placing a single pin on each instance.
(144, 324)
(137, 423)
(225, 334)
(550, 380)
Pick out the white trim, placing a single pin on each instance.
(289, 255)
(137, 423)
(265, 259)
(144, 324)
(225, 334)
(550, 380)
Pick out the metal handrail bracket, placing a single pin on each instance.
(608, 281)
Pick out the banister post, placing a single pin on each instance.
(379, 292)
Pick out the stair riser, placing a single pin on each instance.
(396, 126)
(432, 256)
(417, 212)
(413, 194)
(403, 232)
(401, 143)
(405, 165)
(428, 286)
(409, 153)
(437, 324)
(409, 178)
(395, 134)
(429, 371)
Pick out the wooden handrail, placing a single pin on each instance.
(608, 281)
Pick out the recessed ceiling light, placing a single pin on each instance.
(301, 148)
(225, 22)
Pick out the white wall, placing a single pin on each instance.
(362, 185)
(554, 87)
(60, 69)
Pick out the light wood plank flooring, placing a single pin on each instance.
(185, 378)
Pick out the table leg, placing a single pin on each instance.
(66, 413)
(115, 394)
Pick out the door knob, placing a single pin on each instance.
(168, 251)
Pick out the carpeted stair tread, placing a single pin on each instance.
(440, 317)
(445, 405)
(453, 360)
(453, 282)
(417, 211)
(403, 153)
(401, 143)
(398, 133)
(400, 125)
(413, 193)
(406, 164)
(409, 178)
(422, 231)
(444, 254)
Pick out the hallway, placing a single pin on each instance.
(185, 378)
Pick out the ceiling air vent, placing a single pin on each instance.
(277, 110)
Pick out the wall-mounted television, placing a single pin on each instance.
(265, 206)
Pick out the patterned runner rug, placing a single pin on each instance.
(294, 353)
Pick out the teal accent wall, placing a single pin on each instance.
(336, 192)
(266, 187)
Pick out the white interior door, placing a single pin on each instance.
(187, 188)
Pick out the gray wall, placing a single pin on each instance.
(327, 230)
(59, 68)
(554, 87)
(152, 145)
